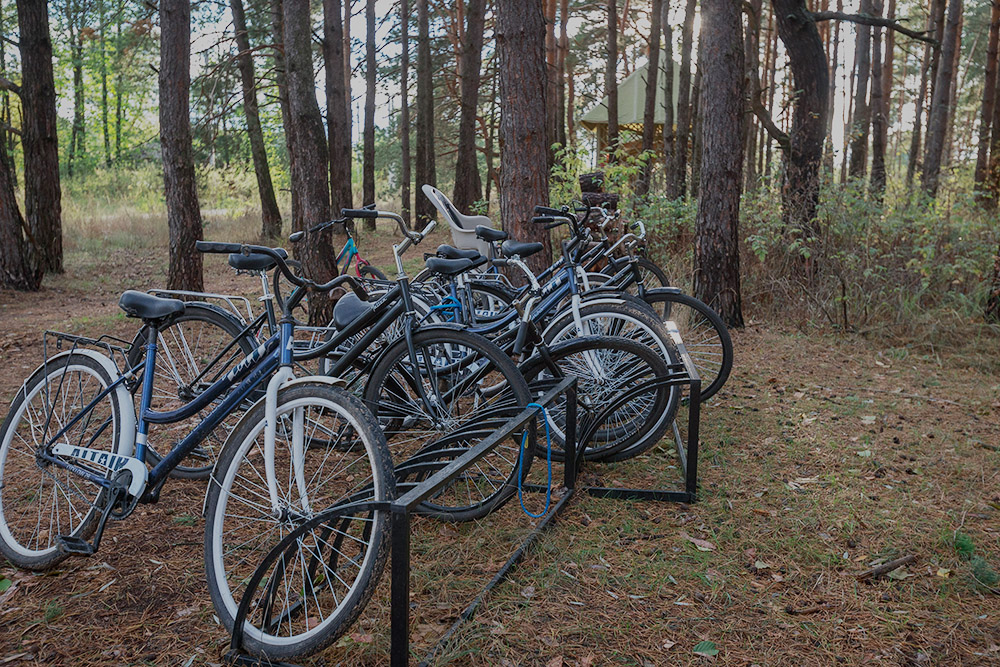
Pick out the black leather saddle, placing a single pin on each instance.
(148, 307)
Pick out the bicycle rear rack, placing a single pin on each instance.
(401, 509)
(229, 300)
(113, 347)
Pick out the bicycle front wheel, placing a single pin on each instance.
(328, 453)
(40, 501)
(442, 398)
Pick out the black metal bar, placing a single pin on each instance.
(661, 495)
(571, 445)
(399, 632)
(499, 577)
(694, 423)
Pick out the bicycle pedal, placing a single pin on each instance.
(74, 546)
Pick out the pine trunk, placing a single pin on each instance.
(880, 112)
(677, 182)
(611, 79)
(270, 215)
(308, 156)
(563, 51)
(918, 103)
(834, 61)
(862, 111)
(993, 170)
(18, 265)
(669, 121)
(338, 121)
(404, 108)
(180, 189)
(551, 80)
(103, 69)
(716, 254)
(649, 108)
(937, 125)
(520, 36)
(425, 116)
(39, 136)
(368, 157)
(751, 57)
(990, 85)
(277, 8)
(468, 184)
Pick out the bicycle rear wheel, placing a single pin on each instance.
(316, 589)
(40, 501)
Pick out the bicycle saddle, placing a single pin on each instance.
(511, 248)
(490, 234)
(254, 261)
(348, 309)
(148, 307)
(450, 252)
(453, 267)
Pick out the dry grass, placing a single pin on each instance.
(822, 456)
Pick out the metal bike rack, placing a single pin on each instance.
(682, 374)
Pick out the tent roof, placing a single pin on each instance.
(632, 99)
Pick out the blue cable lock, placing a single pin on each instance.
(548, 457)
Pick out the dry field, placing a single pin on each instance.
(823, 457)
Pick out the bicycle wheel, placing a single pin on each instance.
(40, 501)
(319, 588)
(194, 349)
(606, 368)
(369, 271)
(435, 404)
(490, 301)
(705, 336)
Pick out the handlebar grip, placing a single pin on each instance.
(295, 237)
(553, 225)
(544, 220)
(358, 213)
(429, 228)
(216, 247)
(545, 210)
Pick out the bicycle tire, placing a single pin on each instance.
(239, 521)
(24, 483)
(180, 339)
(459, 369)
(369, 271)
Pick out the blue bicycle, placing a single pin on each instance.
(73, 454)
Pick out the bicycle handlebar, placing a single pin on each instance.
(371, 214)
(245, 249)
(295, 237)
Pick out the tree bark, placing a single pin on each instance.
(649, 110)
(18, 266)
(308, 156)
(425, 115)
(918, 103)
(270, 215)
(551, 80)
(183, 213)
(834, 61)
(404, 108)
(368, 158)
(39, 137)
(75, 18)
(751, 57)
(277, 8)
(800, 191)
(669, 122)
(520, 37)
(468, 184)
(880, 111)
(337, 110)
(862, 111)
(563, 51)
(716, 254)
(611, 79)
(937, 125)
(676, 185)
(103, 69)
(990, 85)
(993, 170)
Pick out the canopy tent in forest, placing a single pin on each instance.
(631, 102)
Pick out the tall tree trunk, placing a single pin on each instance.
(771, 87)
(570, 104)
(308, 155)
(956, 83)
(338, 119)
(425, 115)
(270, 215)
(75, 18)
(468, 184)
(611, 79)
(696, 135)
(880, 111)
(18, 266)
(751, 58)
(277, 8)
(716, 250)
(183, 213)
(491, 131)
(404, 107)
(563, 50)
(918, 103)
(39, 136)
(669, 122)
(551, 79)
(520, 37)
(834, 61)
(649, 110)
(368, 158)
(937, 126)
(993, 170)
(990, 85)
(104, 85)
(119, 80)
(862, 111)
(677, 182)
(800, 191)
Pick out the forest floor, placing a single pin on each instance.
(823, 456)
